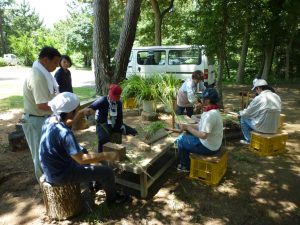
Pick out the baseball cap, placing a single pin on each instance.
(259, 83)
(115, 92)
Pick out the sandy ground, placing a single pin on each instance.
(255, 190)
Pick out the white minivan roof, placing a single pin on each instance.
(168, 47)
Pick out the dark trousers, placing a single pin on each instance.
(180, 110)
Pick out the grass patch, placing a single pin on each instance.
(85, 93)
(12, 102)
(16, 102)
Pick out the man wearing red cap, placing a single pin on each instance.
(109, 115)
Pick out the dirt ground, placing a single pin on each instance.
(255, 190)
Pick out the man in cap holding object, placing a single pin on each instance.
(204, 138)
(186, 97)
(263, 113)
(63, 160)
(109, 116)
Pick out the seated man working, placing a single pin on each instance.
(63, 160)
(263, 113)
(204, 138)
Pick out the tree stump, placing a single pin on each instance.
(61, 201)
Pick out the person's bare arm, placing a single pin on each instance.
(194, 131)
(81, 113)
(82, 158)
(44, 106)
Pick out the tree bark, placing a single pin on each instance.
(287, 54)
(101, 52)
(159, 18)
(126, 39)
(269, 52)
(3, 45)
(242, 63)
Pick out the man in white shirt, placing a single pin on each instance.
(38, 89)
(263, 113)
(186, 97)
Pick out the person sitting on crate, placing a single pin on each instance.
(186, 97)
(109, 116)
(64, 161)
(204, 138)
(263, 113)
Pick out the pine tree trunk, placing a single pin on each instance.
(126, 39)
(101, 52)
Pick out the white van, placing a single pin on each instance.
(180, 60)
(10, 59)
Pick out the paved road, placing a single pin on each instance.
(12, 78)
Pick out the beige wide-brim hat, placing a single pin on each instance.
(259, 83)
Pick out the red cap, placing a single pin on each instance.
(115, 92)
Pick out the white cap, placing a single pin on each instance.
(64, 103)
(259, 83)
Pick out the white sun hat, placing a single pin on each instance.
(64, 103)
(259, 83)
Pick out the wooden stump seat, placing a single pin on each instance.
(61, 201)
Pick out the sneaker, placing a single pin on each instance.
(182, 168)
(244, 142)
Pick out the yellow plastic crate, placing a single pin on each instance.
(130, 103)
(209, 169)
(281, 121)
(268, 144)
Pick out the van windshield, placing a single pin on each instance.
(184, 57)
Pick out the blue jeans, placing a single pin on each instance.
(246, 128)
(32, 127)
(187, 144)
(87, 173)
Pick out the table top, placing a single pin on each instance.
(137, 161)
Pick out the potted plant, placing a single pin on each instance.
(168, 91)
(143, 89)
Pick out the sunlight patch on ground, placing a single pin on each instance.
(212, 221)
(228, 187)
(288, 206)
(260, 186)
(8, 115)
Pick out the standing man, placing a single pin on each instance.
(38, 89)
(186, 97)
(263, 113)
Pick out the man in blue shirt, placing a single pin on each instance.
(63, 160)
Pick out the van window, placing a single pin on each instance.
(185, 57)
(151, 57)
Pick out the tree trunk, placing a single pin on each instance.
(269, 52)
(159, 18)
(287, 55)
(126, 39)
(242, 63)
(101, 46)
(3, 45)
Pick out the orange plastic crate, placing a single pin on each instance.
(268, 144)
(208, 169)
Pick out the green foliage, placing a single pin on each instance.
(152, 128)
(2, 62)
(141, 88)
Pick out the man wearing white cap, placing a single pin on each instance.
(263, 113)
(63, 160)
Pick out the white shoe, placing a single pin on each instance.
(244, 142)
